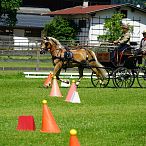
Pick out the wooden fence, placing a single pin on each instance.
(29, 48)
(32, 50)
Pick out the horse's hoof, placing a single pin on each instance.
(67, 82)
(45, 86)
(77, 84)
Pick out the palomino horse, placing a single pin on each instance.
(62, 57)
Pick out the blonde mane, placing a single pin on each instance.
(56, 41)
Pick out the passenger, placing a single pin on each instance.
(143, 43)
(142, 48)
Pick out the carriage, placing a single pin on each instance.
(124, 69)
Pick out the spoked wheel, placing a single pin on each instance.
(99, 81)
(123, 78)
(141, 77)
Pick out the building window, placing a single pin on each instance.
(6, 31)
(124, 12)
(32, 33)
(82, 23)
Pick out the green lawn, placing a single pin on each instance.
(105, 116)
(26, 64)
(16, 61)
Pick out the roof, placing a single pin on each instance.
(87, 10)
(30, 17)
(32, 10)
(37, 21)
(81, 10)
(30, 21)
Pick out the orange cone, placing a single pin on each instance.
(73, 138)
(55, 91)
(71, 91)
(48, 81)
(48, 122)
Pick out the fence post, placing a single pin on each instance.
(38, 58)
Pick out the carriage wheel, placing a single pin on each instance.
(123, 78)
(141, 77)
(99, 81)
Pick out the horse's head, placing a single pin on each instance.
(48, 43)
(45, 45)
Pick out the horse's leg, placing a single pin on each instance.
(57, 70)
(96, 71)
(80, 69)
(100, 72)
(98, 75)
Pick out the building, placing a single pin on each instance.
(91, 19)
(29, 23)
(29, 26)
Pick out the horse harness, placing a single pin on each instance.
(68, 56)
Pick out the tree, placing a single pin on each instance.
(141, 3)
(8, 11)
(112, 28)
(61, 28)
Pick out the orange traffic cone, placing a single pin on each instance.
(48, 81)
(48, 122)
(55, 91)
(73, 138)
(71, 91)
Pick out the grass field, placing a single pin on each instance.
(105, 117)
(44, 61)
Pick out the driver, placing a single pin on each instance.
(123, 42)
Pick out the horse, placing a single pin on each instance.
(63, 58)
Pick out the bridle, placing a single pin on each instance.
(46, 49)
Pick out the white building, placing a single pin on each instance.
(91, 19)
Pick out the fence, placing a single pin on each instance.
(62, 75)
(28, 54)
(26, 51)
(14, 43)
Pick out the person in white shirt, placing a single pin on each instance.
(143, 43)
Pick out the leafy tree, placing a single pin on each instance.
(134, 2)
(8, 11)
(112, 28)
(61, 28)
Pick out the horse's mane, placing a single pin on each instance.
(56, 41)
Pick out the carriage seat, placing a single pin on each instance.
(131, 49)
(133, 44)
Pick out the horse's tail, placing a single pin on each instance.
(100, 67)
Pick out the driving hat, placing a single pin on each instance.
(144, 31)
(125, 26)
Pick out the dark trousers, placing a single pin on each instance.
(118, 51)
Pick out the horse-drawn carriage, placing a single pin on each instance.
(122, 70)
